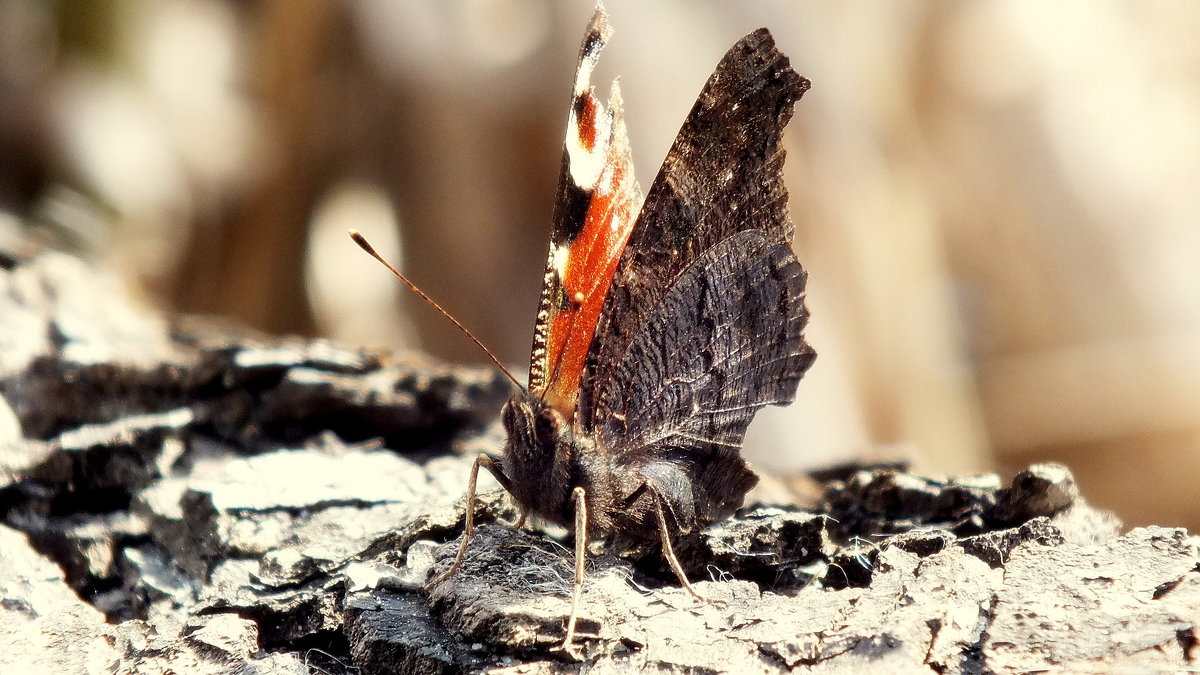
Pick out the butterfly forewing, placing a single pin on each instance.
(595, 209)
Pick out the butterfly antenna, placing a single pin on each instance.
(366, 246)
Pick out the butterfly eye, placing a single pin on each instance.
(546, 427)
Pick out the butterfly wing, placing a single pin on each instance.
(703, 324)
(594, 213)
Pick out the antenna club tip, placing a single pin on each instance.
(361, 241)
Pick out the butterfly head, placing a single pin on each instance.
(537, 454)
(534, 428)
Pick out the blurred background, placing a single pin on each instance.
(998, 201)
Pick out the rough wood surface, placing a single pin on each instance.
(178, 496)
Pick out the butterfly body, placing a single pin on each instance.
(544, 461)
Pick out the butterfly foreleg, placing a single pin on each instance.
(489, 463)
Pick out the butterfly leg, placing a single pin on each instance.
(487, 462)
(581, 539)
(664, 534)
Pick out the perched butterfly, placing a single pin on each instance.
(664, 325)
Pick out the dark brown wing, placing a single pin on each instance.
(704, 322)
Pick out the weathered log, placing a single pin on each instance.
(180, 495)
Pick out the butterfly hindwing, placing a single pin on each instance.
(726, 340)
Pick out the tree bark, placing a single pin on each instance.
(181, 495)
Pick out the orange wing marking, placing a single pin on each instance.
(586, 271)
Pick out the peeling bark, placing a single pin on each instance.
(180, 496)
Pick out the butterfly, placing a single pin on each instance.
(665, 323)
